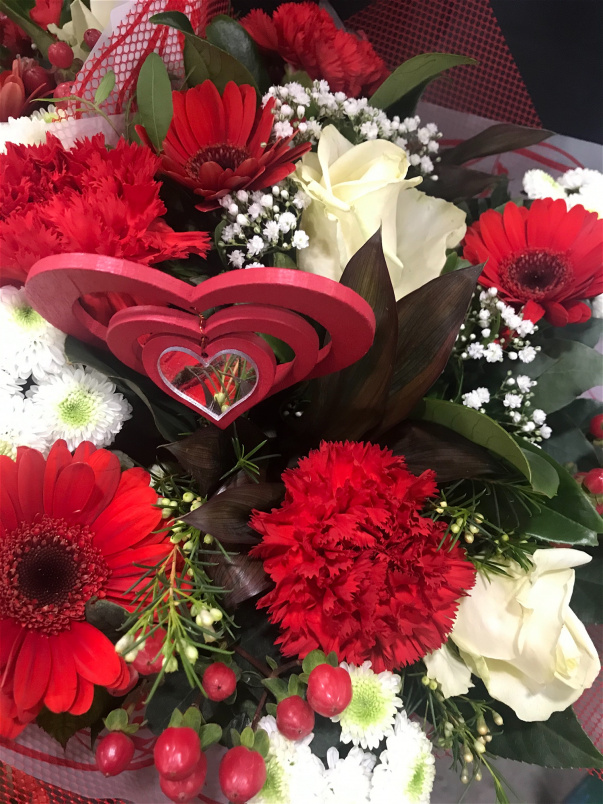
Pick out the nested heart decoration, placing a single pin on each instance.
(203, 345)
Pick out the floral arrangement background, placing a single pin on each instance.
(391, 555)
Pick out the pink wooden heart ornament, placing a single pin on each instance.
(221, 381)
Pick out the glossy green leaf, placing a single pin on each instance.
(348, 404)
(559, 742)
(18, 12)
(202, 60)
(429, 319)
(62, 726)
(312, 660)
(551, 526)
(572, 369)
(173, 693)
(230, 36)
(247, 737)
(209, 734)
(412, 73)
(496, 139)
(175, 19)
(261, 743)
(154, 98)
(477, 427)
(570, 500)
(588, 588)
(277, 687)
(107, 617)
(105, 88)
(588, 333)
(192, 718)
(543, 477)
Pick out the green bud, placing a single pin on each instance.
(191, 653)
(171, 665)
(166, 513)
(425, 681)
(433, 684)
(469, 537)
(216, 614)
(188, 497)
(163, 501)
(497, 718)
(208, 539)
(479, 747)
(454, 528)
(173, 504)
(504, 537)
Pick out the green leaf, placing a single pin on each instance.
(203, 61)
(558, 742)
(312, 660)
(280, 260)
(277, 687)
(209, 734)
(412, 73)
(193, 719)
(247, 737)
(429, 319)
(349, 403)
(551, 526)
(270, 662)
(271, 709)
(261, 743)
(174, 19)
(18, 12)
(154, 98)
(496, 139)
(105, 88)
(117, 720)
(574, 370)
(570, 500)
(588, 333)
(176, 719)
(173, 693)
(235, 738)
(332, 659)
(293, 686)
(588, 588)
(230, 36)
(63, 726)
(543, 477)
(476, 427)
(107, 617)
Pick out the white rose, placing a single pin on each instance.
(519, 635)
(449, 671)
(355, 189)
(102, 10)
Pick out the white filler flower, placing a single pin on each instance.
(80, 404)
(371, 712)
(19, 427)
(29, 343)
(294, 775)
(407, 769)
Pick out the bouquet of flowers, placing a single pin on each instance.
(298, 485)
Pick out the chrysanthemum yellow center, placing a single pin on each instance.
(27, 318)
(79, 408)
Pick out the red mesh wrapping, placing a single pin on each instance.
(400, 29)
(17, 787)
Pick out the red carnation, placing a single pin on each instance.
(357, 569)
(46, 12)
(72, 527)
(547, 258)
(217, 145)
(306, 37)
(55, 201)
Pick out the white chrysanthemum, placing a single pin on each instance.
(349, 779)
(19, 427)
(9, 384)
(294, 775)
(371, 712)
(80, 404)
(407, 769)
(539, 184)
(29, 343)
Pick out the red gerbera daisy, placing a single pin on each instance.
(72, 528)
(217, 145)
(357, 569)
(306, 37)
(547, 258)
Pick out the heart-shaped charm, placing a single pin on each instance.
(228, 377)
(215, 385)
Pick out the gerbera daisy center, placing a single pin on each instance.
(535, 273)
(228, 157)
(48, 570)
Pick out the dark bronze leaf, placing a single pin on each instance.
(107, 617)
(456, 183)
(496, 139)
(226, 515)
(431, 446)
(350, 402)
(243, 577)
(429, 319)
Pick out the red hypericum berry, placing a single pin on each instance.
(60, 55)
(596, 426)
(185, 789)
(593, 481)
(177, 752)
(219, 681)
(37, 81)
(150, 659)
(329, 690)
(294, 718)
(114, 753)
(242, 774)
(91, 37)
